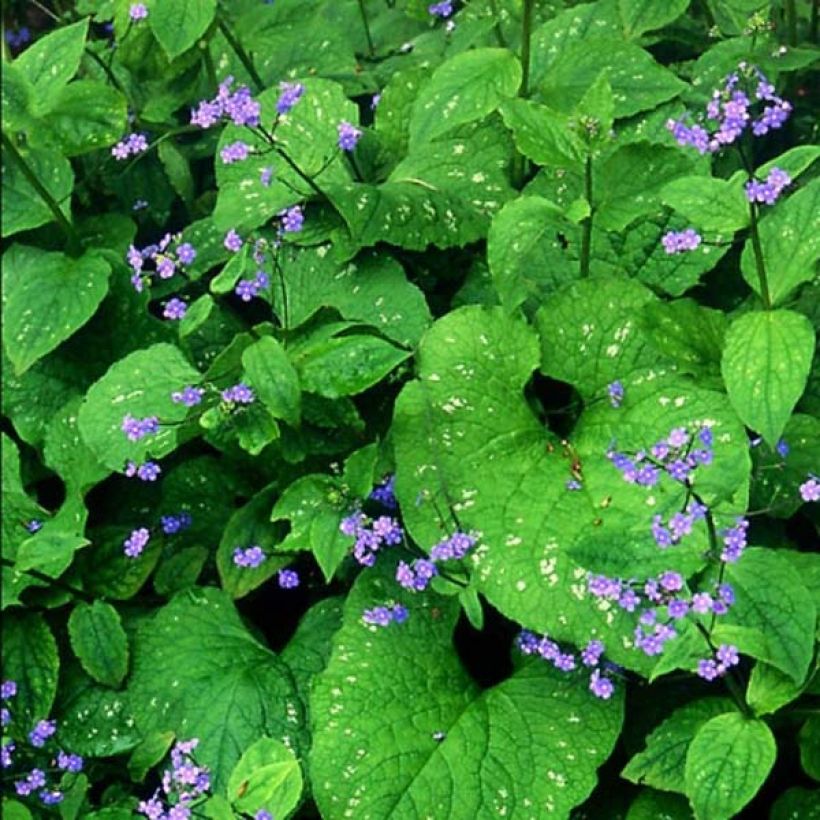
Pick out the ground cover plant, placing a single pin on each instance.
(410, 410)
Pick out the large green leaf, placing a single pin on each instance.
(199, 672)
(770, 689)
(774, 616)
(23, 207)
(268, 777)
(47, 297)
(415, 736)
(662, 763)
(178, 24)
(462, 89)
(639, 16)
(52, 61)
(140, 385)
(99, 641)
(790, 239)
(726, 764)
(765, 366)
(708, 203)
(543, 135)
(274, 378)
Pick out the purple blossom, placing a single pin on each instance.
(234, 152)
(175, 309)
(149, 471)
(42, 731)
(186, 253)
(69, 762)
(443, 9)
(701, 603)
(51, 797)
(601, 686)
(266, 176)
(573, 484)
(129, 146)
(233, 241)
(247, 289)
(8, 689)
(383, 616)
(527, 642)
(602, 587)
(616, 393)
(134, 545)
(629, 600)
(263, 814)
(679, 241)
(189, 396)
(782, 448)
(6, 752)
(238, 394)
(239, 106)
(734, 541)
(727, 655)
(166, 267)
(136, 429)
(768, 191)
(250, 557)
(388, 530)
(288, 579)
(677, 608)
(384, 492)
(810, 489)
(289, 95)
(172, 524)
(591, 653)
(707, 669)
(292, 219)
(374, 101)
(349, 135)
(33, 525)
(137, 12)
(671, 581)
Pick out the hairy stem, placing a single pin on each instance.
(366, 25)
(73, 238)
(240, 52)
(760, 263)
(586, 236)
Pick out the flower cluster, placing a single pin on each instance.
(247, 289)
(233, 241)
(678, 526)
(385, 493)
(726, 656)
(249, 557)
(238, 106)
(131, 145)
(349, 135)
(182, 785)
(371, 535)
(238, 394)
(172, 524)
(288, 579)
(728, 113)
(175, 309)
(289, 95)
(149, 471)
(190, 396)
(600, 684)
(769, 190)
(166, 262)
(137, 541)
(235, 152)
(443, 9)
(136, 429)
(417, 576)
(681, 241)
(19, 38)
(385, 615)
(35, 780)
(292, 219)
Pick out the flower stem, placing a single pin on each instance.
(586, 236)
(73, 238)
(363, 11)
(240, 52)
(760, 263)
(732, 684)
(52, 582)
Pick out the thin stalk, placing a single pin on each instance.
(107, 70)
(586, 236)
(732, 684)
(791, 21)
(285, 319)
(520, 161)
(760, 263)
(73, 238)
(499, 34)
(308, 179)
(52, 582)
(363, 11)
(240, 52)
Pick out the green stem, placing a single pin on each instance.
(363, 11)
(732, 684)
(759, 261)
(52, 582)
(240, 52)
(586, 236)
(73, 238)
(791, 21)
(309, 180)
(520, 161)
(107, 70)
(499, 34)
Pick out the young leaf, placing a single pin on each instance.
(178, 24)
(765, 366)
(541, 134)
(727, 763)
(268, 777)
(274, 378)
(48, 297)
(465, 88)
(708, 203)
(99, 641)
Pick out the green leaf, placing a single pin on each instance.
(99, 641)
(638, 82)
(639, 16)
(726, 765)
(810, 747)
(198, 672)
(140, 385)
(267, 776)
(48, 297)
(708, 203)
(274, 378)
(628, 183)
(597, 107)
(178, 24)
(148, 754)
(790, 237)
(368, 723)
(770, 689)
(52, 61)
(526, 253)
(652, 805)
(23, 207)
(30, 658)
(179, 572)
(12, 810)
(464, 88)
(85, 116)
(774, 616)
(178, 170)
(345, 365)
(797, 803)
(661, 764)
(589, 337)
(765, 366)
